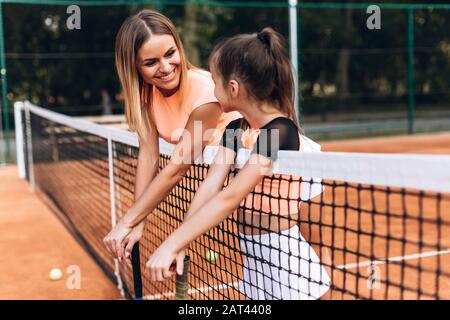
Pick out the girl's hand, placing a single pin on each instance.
(179, 260)
(164, 263)
(114, 240)
(130, 240)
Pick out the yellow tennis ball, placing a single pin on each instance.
(55, 274)
(211, 256)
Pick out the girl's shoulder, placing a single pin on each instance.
(309, 145)
(235, 124)
(290, 137)
(281, 122)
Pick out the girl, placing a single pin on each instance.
(253, 75)
(164, 96)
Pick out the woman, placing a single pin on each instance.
(165, 96)
(253, 75)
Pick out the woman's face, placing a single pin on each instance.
(220, 91)
(158, 62)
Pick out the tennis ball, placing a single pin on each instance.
(211, 256)
(55, 274)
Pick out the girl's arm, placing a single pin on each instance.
(189, 147)
(207, 217)
(213, 183)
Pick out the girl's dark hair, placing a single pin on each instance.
(261, 62)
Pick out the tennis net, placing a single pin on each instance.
(359, 226)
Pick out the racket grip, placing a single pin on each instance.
(182, 282)
(137, 278)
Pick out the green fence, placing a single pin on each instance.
(351, 79)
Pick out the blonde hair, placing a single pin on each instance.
(133, 33)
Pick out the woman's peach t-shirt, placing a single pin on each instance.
(170, 116)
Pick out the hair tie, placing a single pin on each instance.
(262, 38)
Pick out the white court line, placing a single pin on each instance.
(159, 296)
(399, 258)
(219, 287)
(191, 291)
(346, 266)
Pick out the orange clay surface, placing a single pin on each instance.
(33, 241)
(430, 143)
(420, 144)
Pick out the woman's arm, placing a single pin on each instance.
(187, 150)
(211, 185)
(190, 146)
(147, 167)
(208, 216)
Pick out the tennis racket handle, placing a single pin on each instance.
(182, 281)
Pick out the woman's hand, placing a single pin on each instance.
(114, 240)
(164, 263)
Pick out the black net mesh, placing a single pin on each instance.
(291, 238)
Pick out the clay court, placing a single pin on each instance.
(77, 75)
(35, 240)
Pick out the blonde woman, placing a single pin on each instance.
(253, 75)
(165, 96)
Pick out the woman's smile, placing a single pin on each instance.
(168, 77)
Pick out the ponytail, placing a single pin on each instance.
(284, 90)
(261, 62)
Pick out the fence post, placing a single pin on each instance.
(293, 34)
(411, 81)
(5, 110)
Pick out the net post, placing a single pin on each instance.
(113, 208)
(18, 107)
(118, 199)
(29, 145)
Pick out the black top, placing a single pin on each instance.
(279, 134)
